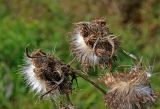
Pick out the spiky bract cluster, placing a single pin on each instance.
(93, 44)
(128, 90)
(45, 73)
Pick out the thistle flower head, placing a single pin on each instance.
(45, 73)
(128, 91)
(92, 43)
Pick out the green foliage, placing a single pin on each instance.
(45, 24)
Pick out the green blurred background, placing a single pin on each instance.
(46, 23)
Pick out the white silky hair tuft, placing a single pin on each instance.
(37, 85)
(84, 53)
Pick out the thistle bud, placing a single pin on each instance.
(93, 44)
(129, 91)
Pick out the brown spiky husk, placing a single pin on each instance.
(101, 45)
(53, 72)
(128, 90)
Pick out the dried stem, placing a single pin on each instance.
(88, 80)
(69, 100)
(71, 62)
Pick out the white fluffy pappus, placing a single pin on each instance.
(84, 53)
(37, 85)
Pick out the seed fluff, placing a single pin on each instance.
(129, 90)
(32, 80)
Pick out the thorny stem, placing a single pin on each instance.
(69, 100)
(71, 61)
(88, 80)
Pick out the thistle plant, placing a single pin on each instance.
(92, 44)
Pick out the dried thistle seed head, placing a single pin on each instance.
(129, 91)
(92, 43)
(45, 73)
